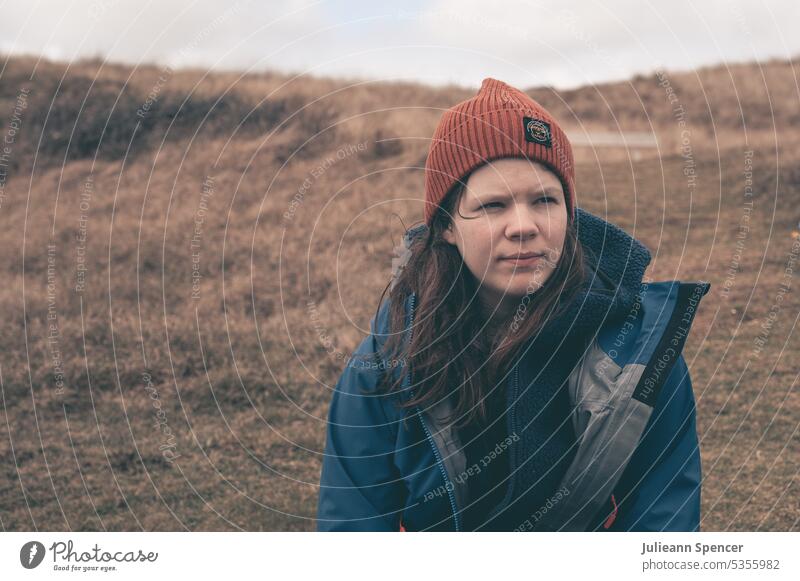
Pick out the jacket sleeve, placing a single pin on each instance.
(665, 472)
(361, 489)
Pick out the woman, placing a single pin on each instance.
(522, 375)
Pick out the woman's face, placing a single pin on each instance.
(509, 227)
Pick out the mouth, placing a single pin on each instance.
(523, 259)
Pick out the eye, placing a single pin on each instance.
(491, 205)
(548, 199)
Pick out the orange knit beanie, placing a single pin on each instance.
(500, 121)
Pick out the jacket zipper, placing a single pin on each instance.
(513, 447)
(514, 391)
(448, 486)
(515, 453)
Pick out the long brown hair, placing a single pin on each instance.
(450, 349)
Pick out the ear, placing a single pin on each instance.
(449, 234)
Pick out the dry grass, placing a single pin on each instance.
(243, 370)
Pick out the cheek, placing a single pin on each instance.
(477, 257)
(560, 241)
(557, 234)
(477, 250)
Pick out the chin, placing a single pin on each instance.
(514, 291)
(525, 284)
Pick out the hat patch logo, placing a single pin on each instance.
(537, 131)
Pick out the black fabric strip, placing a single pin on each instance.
(671, 343)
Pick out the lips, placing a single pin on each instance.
(523, 258)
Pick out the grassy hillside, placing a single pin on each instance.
(188, 258)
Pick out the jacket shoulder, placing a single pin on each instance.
(363, 375)
(659, 320)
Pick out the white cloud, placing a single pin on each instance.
(526, 42)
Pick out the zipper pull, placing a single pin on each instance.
(613, 516)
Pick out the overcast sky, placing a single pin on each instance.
(527, 43)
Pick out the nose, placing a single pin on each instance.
(522, 224)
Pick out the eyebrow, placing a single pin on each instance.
(491, 196)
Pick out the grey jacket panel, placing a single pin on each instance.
(449, 444)
(608, 424)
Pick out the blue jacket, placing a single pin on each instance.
(638, 464)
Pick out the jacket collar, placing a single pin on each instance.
(614, 266)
